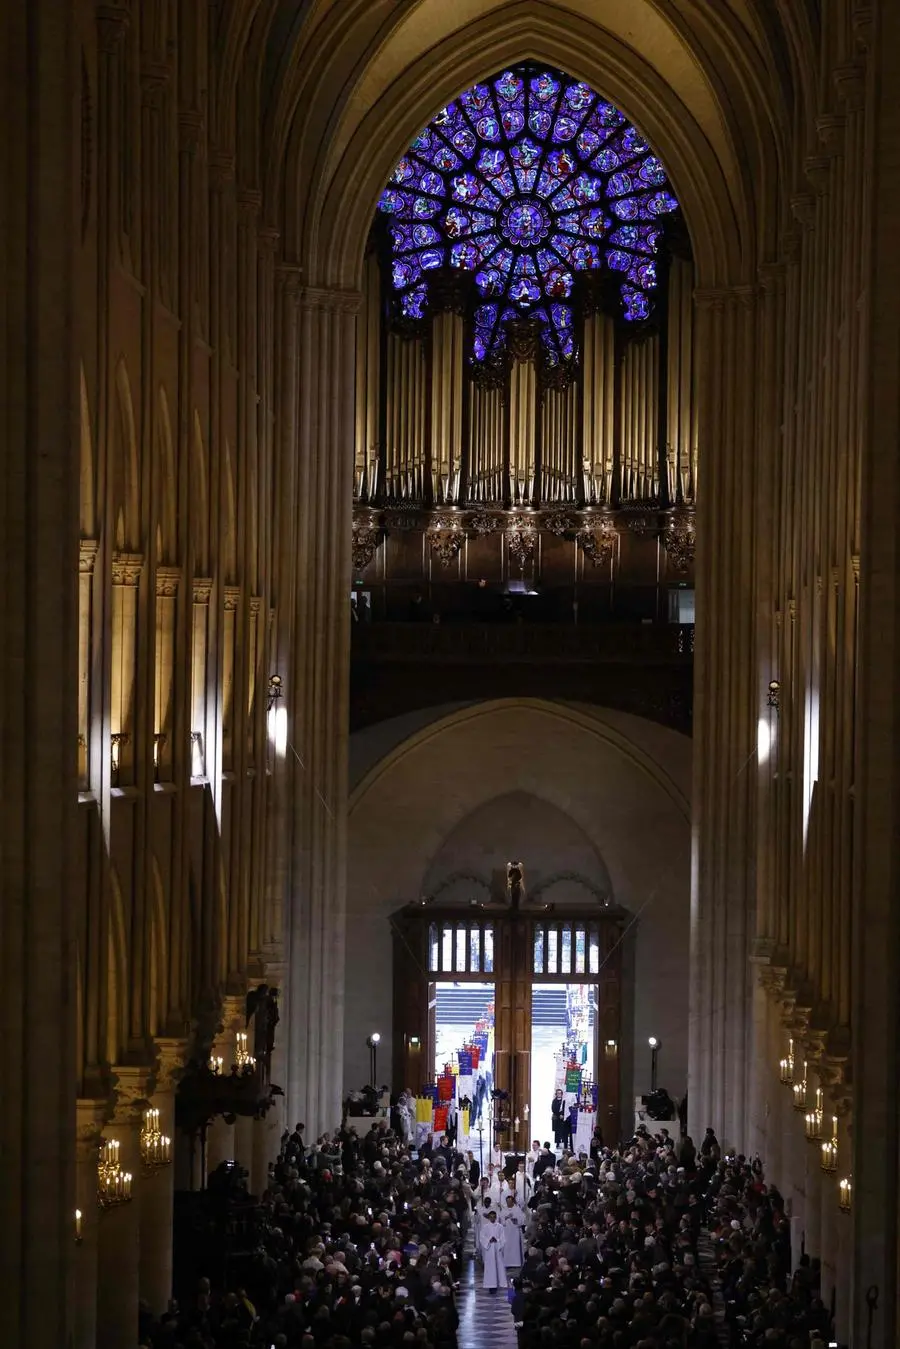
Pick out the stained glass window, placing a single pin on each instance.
(526, 181)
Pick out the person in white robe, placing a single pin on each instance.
(531, 1157)
(491, 1242)
(498, 1186)
(523, 1186)
(513, 1219)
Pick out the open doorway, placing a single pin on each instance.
(463, 1039)
(563, 1051)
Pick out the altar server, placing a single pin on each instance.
(491, 1241)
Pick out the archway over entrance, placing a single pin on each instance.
(596, 801)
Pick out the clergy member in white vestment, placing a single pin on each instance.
(531, 1157)
(513, 1219)
(523, 1186)
(491, 1240)
(498, 1186)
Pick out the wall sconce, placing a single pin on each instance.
(799, 1090)
(845, 1196)
(79, 1227)
(243, 1059)
(113, 1184)
(215, 1064)
(276, 691)
(830, 1149)
(814, 1119)
(414, 1042)
(610, 1049)
(156, 1148)
(116, 741)
(786, 1066)
(773, 695)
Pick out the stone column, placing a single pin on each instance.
(158, 1187)
(317, 699)
(726, 713)
(38, 619)
(118, 1285)
(90, 1116)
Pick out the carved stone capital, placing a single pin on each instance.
(168, 579)
(231, 598)
(90, 1117)
(256, 604)
(330, 300)
(133, 1089)
(127, 568)
(232, 1014)
(171, 1059)
(87, 555)
(830, 128)
(202, 589)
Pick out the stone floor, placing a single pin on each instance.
(485, 1321)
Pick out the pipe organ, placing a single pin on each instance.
(434, 430)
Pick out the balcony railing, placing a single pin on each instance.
(614, 643)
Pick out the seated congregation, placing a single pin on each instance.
(361, 1240)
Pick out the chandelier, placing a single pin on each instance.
(113, 1184)
(814, 1119)
(156, 1148)
(799, 1091)
(786, 1066)
(830, 1149)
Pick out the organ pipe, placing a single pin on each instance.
(406, 410)
(523, 432)
(447, 338)
(368, 384)
(681, 436)
(486, 442)
(559, 446)
(597, 414)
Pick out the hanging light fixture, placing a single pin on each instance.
(113, 1184)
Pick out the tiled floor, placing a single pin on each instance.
(485, 1321)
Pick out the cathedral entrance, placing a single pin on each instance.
(500, 1005)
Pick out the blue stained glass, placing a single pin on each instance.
(524, 182)
(540, 121)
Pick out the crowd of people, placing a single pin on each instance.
(358, 1241)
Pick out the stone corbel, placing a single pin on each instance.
(817, 169)
(830, 128)
(850, 85)
(127, 568)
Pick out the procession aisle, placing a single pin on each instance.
(485, 1320)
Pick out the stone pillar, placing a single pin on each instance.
(317, 700)
(118, 1286)
(90, 1116)
(158, 1188)
(725, 725)
(38, 618)
(220, 1136)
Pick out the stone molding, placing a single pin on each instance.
(231, 598)
(168, 579)
(171, 1060)
(221, 170)
(830, 129)
(803, 209)
(87, 555)
(127, 568)
(202, 589)
(190, 129)
(850, 85)
(256, 604)
(330, 300)
(817, 170)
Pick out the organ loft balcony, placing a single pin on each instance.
(587, 605)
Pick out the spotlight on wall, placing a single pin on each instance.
(654, 1061)
(276, 716)
(414, 1042)
(773, 696)
(276, 690)
(373, 1041)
